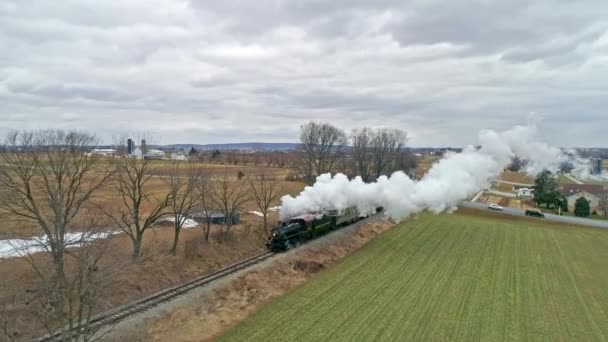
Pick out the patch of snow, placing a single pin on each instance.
(257, 213)
(188, 223)
(12, 248)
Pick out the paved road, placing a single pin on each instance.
(512, 183)
(548, 217)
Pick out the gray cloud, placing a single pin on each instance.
(230, 71)
(59, 91)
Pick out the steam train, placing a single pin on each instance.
(299, 229)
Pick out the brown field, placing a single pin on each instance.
(515, 203)
(424, 165)
(503, 187)
(157, 185)
(502, 201)
(162, 167)
(517, 177)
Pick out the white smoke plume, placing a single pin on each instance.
(454, 178)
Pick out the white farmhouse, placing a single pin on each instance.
(525, 193)
(179, 155)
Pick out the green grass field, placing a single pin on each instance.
(451, 277)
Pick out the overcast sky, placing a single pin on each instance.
(241, 71)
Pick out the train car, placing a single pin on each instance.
(347, 216)
(300, 229)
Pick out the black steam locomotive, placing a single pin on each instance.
(299, 229)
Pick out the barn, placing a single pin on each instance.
(216, 217)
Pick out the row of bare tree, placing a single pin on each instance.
(47, 180)
(367, 152)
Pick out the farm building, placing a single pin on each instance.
(216, 217)
(154, 154)
(103, 151)
(179, 155)
(595, 194)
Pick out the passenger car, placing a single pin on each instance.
(494, 206)
(535, 212)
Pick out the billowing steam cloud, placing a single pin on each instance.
(456, 177)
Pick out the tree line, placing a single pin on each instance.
(275, 159)
(366, 152)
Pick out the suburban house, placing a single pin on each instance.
(591, 192)
(524, 192)
(179, 155)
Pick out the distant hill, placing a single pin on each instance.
(262, 146)
(255, 146)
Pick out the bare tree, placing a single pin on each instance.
(229, 196)
(83, 279)
(362, 155)
(268, 158)
(265, 192)
(322, 146)
(205, 201)
(231, 158)
(49, 180)
(8, 320)
(140, 208)
(404, 161)
(304, 166)
(86, 278)
(184, 194)
(386, 144)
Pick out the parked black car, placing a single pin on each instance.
(535, 212)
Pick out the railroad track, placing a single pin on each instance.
(117, 314)
(121, 312)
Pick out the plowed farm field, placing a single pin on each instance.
(458, 277)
